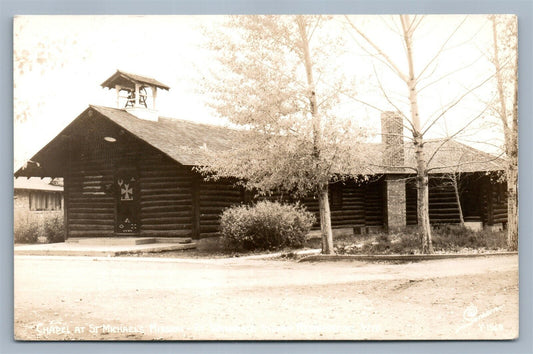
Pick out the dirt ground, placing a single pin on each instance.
(84, 298)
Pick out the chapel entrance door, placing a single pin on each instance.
(127, 201)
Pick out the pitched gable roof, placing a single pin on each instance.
(181, 140)
(122, 78)
(185, 142)
(453, 156)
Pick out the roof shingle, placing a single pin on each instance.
(186, 142)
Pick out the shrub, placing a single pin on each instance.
(265, 226)
(54, 230)
(27, 232)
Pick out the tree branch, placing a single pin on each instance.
(411, 128)
(449, 74)
(378, 49)
(453, 104)
(455, 134)
(439, 52)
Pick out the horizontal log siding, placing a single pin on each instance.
(374, 206)
(352, 212)
(91, 204)
(494, 202)
(92, 164)
(443, 204)
(214, 197)
(443, 208)
(499, 203)
(362, 205)
(411, 202)
(166, 197)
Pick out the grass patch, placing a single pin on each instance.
(445, 239)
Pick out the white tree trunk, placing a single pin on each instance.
(325, 221)
(323, 199)
(458, 198)
(510, 130)
(423, 202)
(422, 173)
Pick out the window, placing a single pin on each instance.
(40, 201)
(335, 196)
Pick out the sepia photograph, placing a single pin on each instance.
(265, 177)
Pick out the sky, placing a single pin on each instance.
(60, 62)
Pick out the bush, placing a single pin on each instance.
(54, 230)
(265, 226)
(27, 232)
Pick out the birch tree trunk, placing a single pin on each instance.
(512, 171)
(510, 130)
(423, 202)
(422, 173)
(458, 199)
(323, 199)
(512, 208)
(325, 221)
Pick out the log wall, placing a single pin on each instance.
(88, 196)
(374, 205)
(499, 203)
(411, 212)
(166, 197)
(362, 205)
(481, 200)
(494, 202)
(443, 208)
(214, 197)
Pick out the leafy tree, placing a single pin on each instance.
(35, 60)
(277, 79)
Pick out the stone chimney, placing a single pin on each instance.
(392, 139)
(393, 158)
(136, 94)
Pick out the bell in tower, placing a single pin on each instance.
(136, 94)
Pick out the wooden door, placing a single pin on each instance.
(127, 196)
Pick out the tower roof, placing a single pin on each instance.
(126, 79)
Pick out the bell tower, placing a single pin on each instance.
(136, 94)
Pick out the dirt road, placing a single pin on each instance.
(65, 298)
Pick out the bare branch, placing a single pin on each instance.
(411, 128)
(439, 52)
(374, 55)
(390, 27)
(421, 17)
(314, 28)
(503, 107)
(378, 49)
(454, 103)
(450, 73)
(455, 134)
